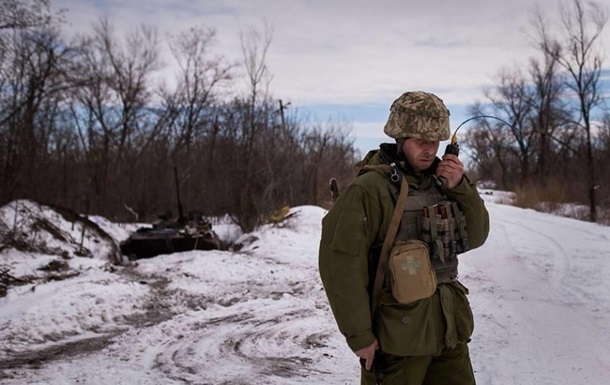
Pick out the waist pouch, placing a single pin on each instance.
(411, 274)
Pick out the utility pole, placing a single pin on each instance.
(282, 108)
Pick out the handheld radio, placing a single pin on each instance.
(453, 147)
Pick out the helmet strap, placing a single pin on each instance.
(399, 143)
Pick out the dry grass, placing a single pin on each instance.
(546, 197)
(557, 198)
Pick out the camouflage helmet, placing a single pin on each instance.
(418, 115)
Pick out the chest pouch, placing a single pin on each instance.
(411, 274)
(443, 227)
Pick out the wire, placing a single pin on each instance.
(513, 129)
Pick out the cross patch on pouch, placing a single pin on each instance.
(411, 265)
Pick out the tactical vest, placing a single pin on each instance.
(430, 217)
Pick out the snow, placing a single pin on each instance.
(538, 289)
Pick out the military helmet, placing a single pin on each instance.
(419, 115)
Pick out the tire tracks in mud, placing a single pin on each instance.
(278, 344)
(155, 312)
(35, 359)
(265, 333)
(251, 343)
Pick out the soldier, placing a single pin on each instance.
(401, 340)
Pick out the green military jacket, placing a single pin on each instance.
(357, 222)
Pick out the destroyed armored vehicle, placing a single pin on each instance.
(167, 236)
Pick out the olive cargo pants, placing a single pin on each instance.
(450, 367)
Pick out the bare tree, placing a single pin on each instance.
(85, 120)
(200, 77)
(604, 157)
(256, 118)
(578, 51)
(549, 108)
(492, 147)
(32, 78)
(515, 103)
(23, 14)
(510, 100)
(112, 101)
(201, 73)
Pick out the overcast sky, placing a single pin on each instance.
(349, 59)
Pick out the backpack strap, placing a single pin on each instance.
(389, 241)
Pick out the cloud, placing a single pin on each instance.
(346, 51)
(351, 52)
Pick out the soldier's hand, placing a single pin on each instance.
(451, 169)
(368, 354)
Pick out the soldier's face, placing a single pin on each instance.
(419, 152)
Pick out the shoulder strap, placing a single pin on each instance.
(387, 244)
(382, 168)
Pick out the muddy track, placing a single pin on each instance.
(35, 359)
(157, 311)
(252, 342)
(190, 347)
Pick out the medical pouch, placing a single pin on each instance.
(411, 274)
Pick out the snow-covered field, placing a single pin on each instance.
(539, 291)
